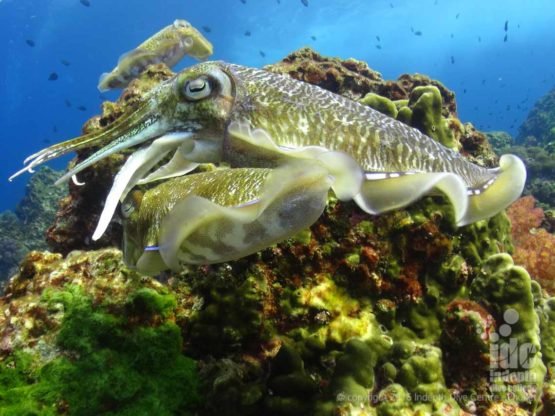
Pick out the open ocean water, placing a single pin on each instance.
(53, 52)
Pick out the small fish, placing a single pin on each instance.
(207, 29)
(30, 42)
(506, 25)
(378, 38)
(247, 33)
(412, 29)
(68, 103)
(378, 46)
(55, 129)
(85, 3)
(313, 37)
(305, 3)
(244, 1)
(167, 46)
(457, 15)
(65, 62)
(391, 5)
(483, 82)
(278, 1)
(452, 59)
(82, 108)
(479, 39)
(417, 33)
(464, 91)
(505, 38)
(452, 35)
(53, 76)
(46, 140)
(262, 54)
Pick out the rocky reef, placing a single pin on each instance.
(535, 144)
(539, 161)
(24, 229)
(539, 126)
(398, 314)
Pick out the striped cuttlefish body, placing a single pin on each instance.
(270, 129)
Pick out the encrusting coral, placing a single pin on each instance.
(396, 314)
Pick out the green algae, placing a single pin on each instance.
(125, 363)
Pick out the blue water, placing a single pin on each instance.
(496, 82)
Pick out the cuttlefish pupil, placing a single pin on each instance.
(252, 119)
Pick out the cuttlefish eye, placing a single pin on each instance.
(181, 24)
(197, 89)
(131, 203)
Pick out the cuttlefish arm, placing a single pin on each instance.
(130, 130)
(221, 215)
(135, 168)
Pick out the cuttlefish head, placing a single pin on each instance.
(194, 42)
(195, 104)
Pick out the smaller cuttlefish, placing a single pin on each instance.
(221, 215)
(168, 46)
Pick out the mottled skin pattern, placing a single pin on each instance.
(297, 114)
(226, 188)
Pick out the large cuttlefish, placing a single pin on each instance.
(167, 46)
(250, 118)
(220, 215)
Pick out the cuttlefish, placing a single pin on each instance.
(220, 215)
(167, 46)
(217, 112)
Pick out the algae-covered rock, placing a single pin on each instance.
(25, 229)
(382, 104)
(82, 345)
(398, 314)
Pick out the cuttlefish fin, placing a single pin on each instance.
(497, 193)
(386, 191)
(133, 170)
(198, 231)
(347, 174)
(177, 166)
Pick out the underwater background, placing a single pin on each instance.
(395, 314)
(460, 44)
